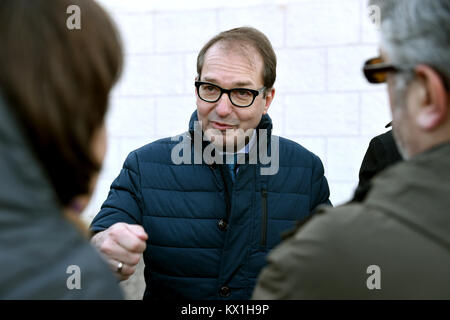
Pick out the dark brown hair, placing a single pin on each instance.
(57, 81)
(247, 36)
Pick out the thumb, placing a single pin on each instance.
(138, 231)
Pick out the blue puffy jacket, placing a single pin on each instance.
(208, 236)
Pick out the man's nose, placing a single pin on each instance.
(224, 106)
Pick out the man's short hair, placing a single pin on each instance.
(57, 83)
(247, 36)
(416, 32)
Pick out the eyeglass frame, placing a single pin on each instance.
(370, 69)
(228, 91)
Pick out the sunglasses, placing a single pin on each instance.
(376, 70)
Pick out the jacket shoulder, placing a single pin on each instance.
(158, 151)
(294, 154)
(334, 255)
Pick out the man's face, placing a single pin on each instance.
(230, 68)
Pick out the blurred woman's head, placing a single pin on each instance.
(57, 81)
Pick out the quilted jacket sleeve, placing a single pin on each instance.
(124, 202)
(320, 191)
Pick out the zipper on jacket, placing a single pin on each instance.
(227, 195)
(264, 217)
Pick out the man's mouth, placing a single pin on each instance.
(221, 126)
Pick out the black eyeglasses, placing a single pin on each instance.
(376, 70)
(240, 97)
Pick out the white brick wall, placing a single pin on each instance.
(269, 19)
(301, 70)
(184, 31)
(327, 114)
(322, 99)
(313, 23)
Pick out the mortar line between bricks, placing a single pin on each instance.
(285, 27)
(326, 154)
(327, 92)
(279, 92)
(348, 45)
(359, 113)
(153, 16)
(360, 22)
(218, 24)
(282, 48)
(327, 86)
(277, 50)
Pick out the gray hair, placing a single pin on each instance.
(416, 32)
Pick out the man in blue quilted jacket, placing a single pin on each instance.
(207, 206)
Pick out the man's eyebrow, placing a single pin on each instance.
(212, 80)
(234, 85)
(242, 84)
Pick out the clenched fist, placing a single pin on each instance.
(122, 245)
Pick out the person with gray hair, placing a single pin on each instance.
(395, 244)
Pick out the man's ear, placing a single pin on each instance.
(269, 98)
(432, 98)
(196, 79)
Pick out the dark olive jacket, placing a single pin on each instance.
(395, 244)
